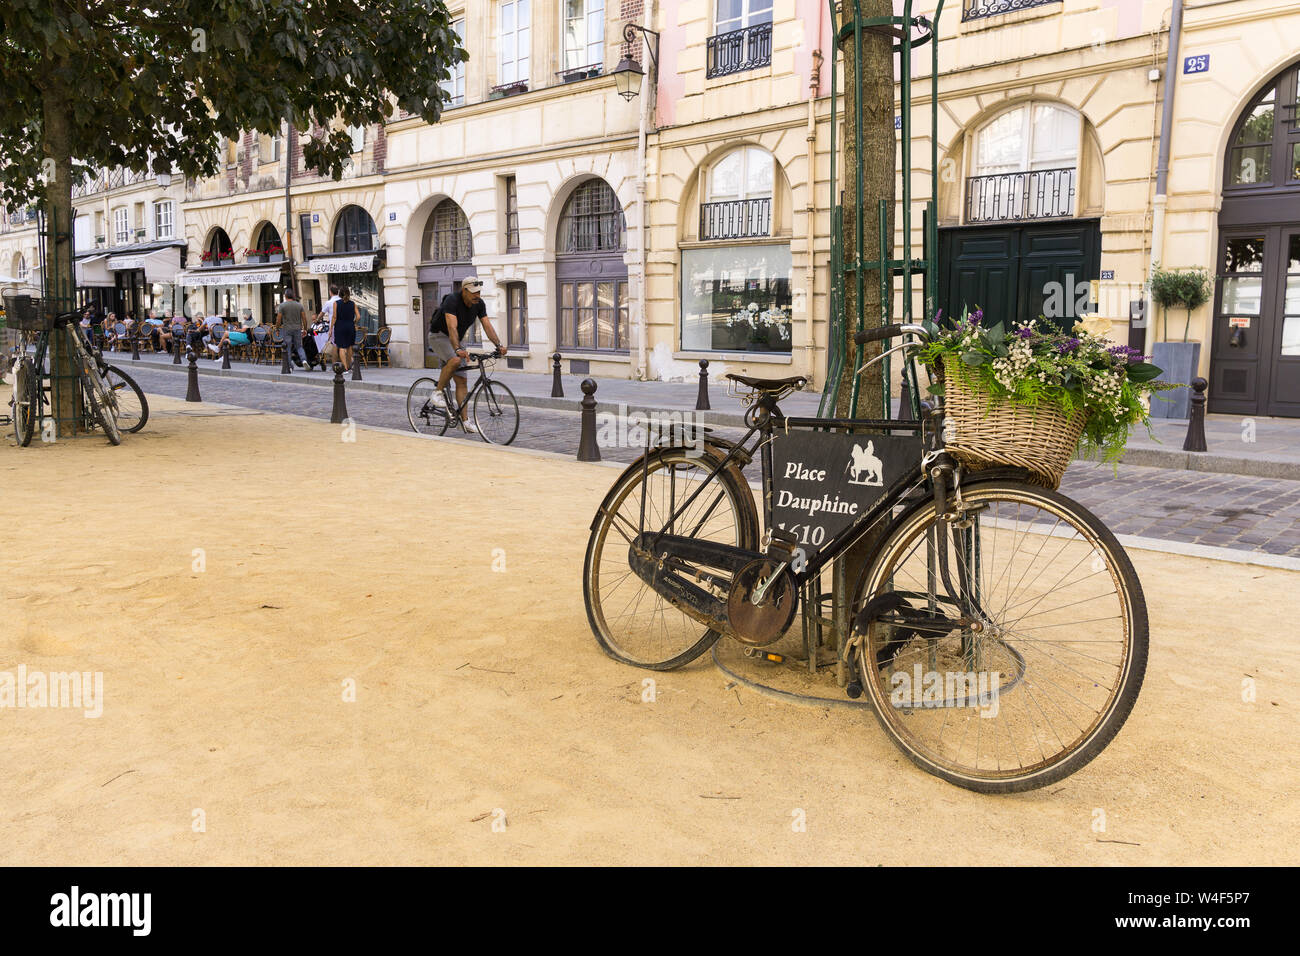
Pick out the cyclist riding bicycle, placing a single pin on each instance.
(445, 338)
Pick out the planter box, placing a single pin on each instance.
(275, 257)
(256, 260)
(1179, 361)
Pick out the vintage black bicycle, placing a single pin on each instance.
(490, 404)
(110, 400)
(997, 627)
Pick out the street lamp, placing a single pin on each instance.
(628, 74)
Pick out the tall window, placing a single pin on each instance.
(22, 269)
(446, 234)
(269, 147)
(738, 14)
(304, 233)
(355, 231)
(164, 220)
(454, 84)
(584, 33)
(512, 215)
(592, 221)
(121, 226)
(1266, 148)
(358, 135)
(517, 313)
(1025, 166)
(514, 40)
(592, 288)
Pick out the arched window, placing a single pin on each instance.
(1025, 165)
(592, 221)
(21, 272)
(446, 235)
(219, 250)
(592, 289)
(355, 231)
(268, 242)
(1265, 148)
(738, 199)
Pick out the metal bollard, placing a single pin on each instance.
(702, 399)
(339, 413)
(135, 343)
(192, 392)
(176, 347)
(1196, 420)
(905, 399)
(284, 359)
(588, 450)
(356, 369)
(557, 387)
(225, 356)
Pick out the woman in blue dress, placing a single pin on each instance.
(343, 327)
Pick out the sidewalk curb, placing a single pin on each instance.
(1168, 458)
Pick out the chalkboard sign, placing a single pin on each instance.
(822, 482)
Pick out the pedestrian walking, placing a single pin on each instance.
(343, 326)
(289, 317)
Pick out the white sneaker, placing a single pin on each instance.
(469, 427)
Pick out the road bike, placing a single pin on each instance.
(491, 404)
(99, 399)
(997, 627)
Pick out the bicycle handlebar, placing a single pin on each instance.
(889, 332)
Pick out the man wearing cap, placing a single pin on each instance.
(445, 337)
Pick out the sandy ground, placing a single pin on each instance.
(481, 695)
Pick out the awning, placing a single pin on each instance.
(326, 266)
(91, 272)
(158, 264)
(216, 276)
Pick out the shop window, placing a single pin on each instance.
(737, 299)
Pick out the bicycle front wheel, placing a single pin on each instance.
(632, 622)
(423, 411)
(26, 401)
(496, 413)
(1029, 670)
(132, 407)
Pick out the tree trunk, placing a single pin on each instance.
(58, 277)
(874, 88)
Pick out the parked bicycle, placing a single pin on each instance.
(492, 405)
(997, 627)
(110, 399)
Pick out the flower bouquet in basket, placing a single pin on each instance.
(1030, 396)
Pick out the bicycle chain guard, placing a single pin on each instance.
(760, 624)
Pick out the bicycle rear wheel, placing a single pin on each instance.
(632, 622)
(101, 404)
(132, 407)
(26, 401)
(423, 410)
(1032, 668)
(496, 413)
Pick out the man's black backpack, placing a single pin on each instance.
(437, 314)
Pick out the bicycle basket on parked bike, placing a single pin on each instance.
(981, 433)
(25, 313)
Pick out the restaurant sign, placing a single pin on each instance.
(202, 277)
(364, 263)
(126, 262)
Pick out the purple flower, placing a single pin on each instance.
(938, 314)
(977, 317)
(1069, 345)
(1025, 333)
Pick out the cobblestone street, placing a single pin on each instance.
(1219, 510)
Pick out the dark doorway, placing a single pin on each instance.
(1017, 273)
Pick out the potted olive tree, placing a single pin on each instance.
(1189, 289)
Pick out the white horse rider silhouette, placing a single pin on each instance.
(865, 468)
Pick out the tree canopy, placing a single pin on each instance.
(153, 86)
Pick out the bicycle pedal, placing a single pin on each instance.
(757, 653)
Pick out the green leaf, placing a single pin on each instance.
(974, 359)
(1143, 372)
(936, 388)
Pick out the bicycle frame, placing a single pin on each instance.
(481, 366)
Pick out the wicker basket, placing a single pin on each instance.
(25, 313)
(982, 434)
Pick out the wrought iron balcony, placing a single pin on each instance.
(1024, 195)
(736, 219)
(978, 9)
(739, 50)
